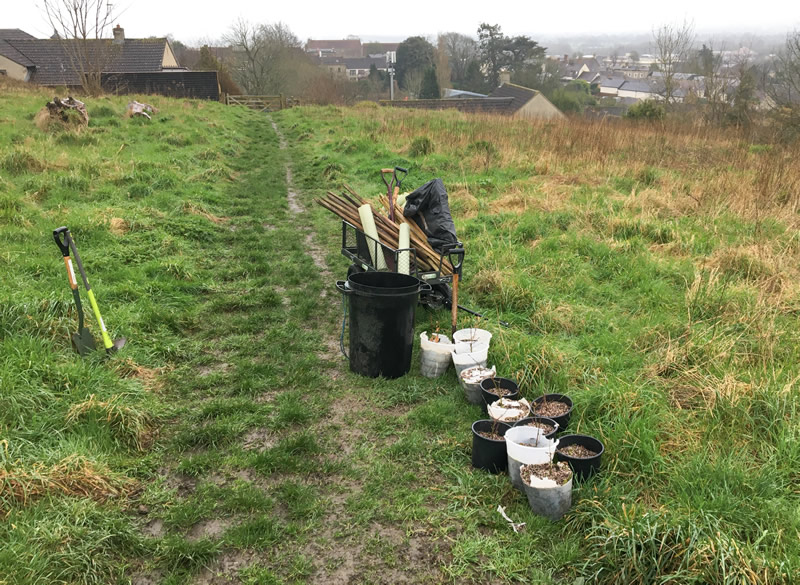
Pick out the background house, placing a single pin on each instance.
(124, 64)
(350, 48)
(509, 100)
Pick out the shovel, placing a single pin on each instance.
(456, 257)
(111, 346)
(82, 340)
(390, 185)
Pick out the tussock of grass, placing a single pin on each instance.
(193, 208)
(72, 476)
(127, 423)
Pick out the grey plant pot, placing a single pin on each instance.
(551, 502)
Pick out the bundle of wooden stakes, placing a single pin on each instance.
(346, 207)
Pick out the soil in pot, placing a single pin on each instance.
(470, 380)
(578, 451)
(489, 453)
(497, 387)
(546, 425)
(492, 436)
(509, 411)
(548, 487)
(558, 473)
(582, 452)
(554, 406)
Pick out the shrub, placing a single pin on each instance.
(646, 110)
(421, 146)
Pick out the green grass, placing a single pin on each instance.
(665, 329)
(238, 442)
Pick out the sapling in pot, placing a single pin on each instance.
(548, 487)
(554, 406)
(582, 452)
(489, 445)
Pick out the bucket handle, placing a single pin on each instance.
(345, 290)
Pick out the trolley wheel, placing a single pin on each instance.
(440, 297)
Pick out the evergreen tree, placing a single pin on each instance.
(430, 86)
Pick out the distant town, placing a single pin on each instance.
(455, 70)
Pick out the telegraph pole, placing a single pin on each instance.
(390, 60)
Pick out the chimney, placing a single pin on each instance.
(505, 77)
(119, 35)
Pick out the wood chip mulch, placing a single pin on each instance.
(558, 472)
(550, 408)
(499, 391)
(546, 428)
(492, 436)
(577, 451)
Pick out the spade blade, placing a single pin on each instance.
(83, 342)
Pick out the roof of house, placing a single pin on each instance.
(520, 95)
(487, 105)
(55, 63)
(614, 82)
(588, 76)
(8, 51)
(13, 34)
(344, 44)
(382, 47)
(450, 93)
(636, 85)
(364, 62)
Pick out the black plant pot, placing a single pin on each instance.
(489, 454)
(488, 396)
(581, 467)
(562, 420)
(541, 419)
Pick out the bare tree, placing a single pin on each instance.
(80, 25)
(413, 82)
(442, 63)
(461, 51)
(784, 87)
(716, 83)
(269, 57)
(672, 45)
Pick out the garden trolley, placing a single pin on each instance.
(367, 254)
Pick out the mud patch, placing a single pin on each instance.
(259, 440)
(225, 569)
(212, 529)
(149, 578)
(154, 528)
(204, 371)
(182, 484)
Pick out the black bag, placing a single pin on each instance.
(428, 207)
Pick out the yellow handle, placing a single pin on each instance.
(106, 339)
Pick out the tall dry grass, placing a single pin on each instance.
(697, 167)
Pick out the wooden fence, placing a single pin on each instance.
(262, 103)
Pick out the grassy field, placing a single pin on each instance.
(650, 273)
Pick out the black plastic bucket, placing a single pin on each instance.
(381, 306)
(582, 467)
(487, 453)
(489, 384)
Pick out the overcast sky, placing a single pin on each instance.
(192, 21)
